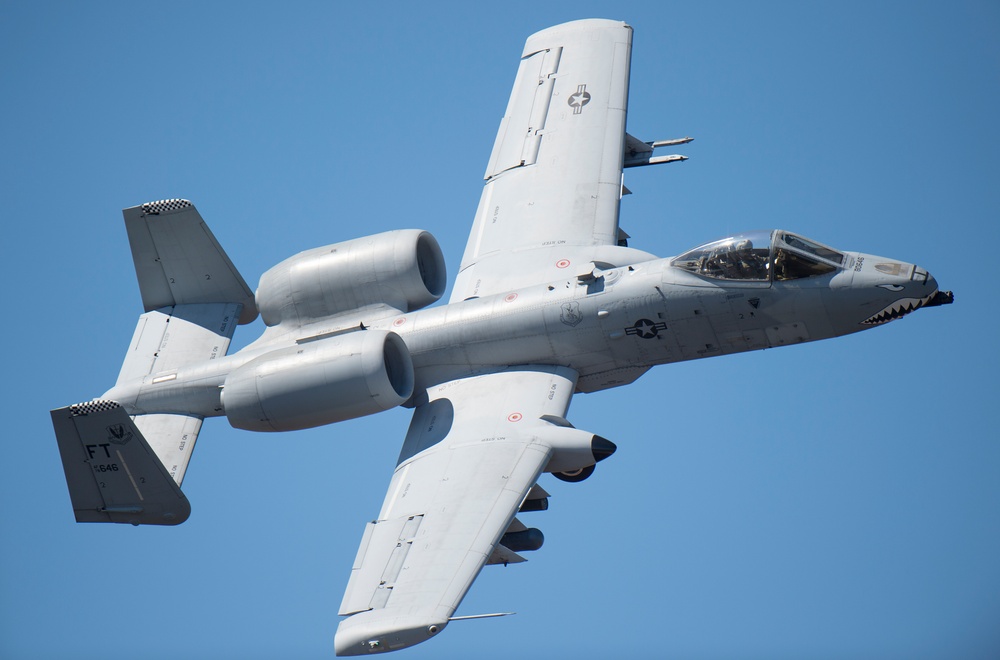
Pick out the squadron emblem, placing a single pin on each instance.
(571, 315)
(118, 434)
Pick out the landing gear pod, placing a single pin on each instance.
(574, 452)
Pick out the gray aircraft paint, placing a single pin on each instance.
(548, 302)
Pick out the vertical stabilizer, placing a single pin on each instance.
(179, 262)
(112, 473)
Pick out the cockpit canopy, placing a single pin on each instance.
(760, 256)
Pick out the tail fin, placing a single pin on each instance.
(178, 261)
(194, 297)
(112, 473)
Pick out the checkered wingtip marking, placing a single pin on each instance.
(165, 205)
(95, 406)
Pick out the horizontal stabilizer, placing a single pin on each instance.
(112, 473)
(166, 340)
(173, 337)
(179, 262)
(172, 438)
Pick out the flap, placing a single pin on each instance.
(383, 551)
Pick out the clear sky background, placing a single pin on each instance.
(831, 500)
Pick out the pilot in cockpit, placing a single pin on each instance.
(752, 266)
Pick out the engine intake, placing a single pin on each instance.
(320, 382)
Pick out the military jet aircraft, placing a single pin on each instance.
(550, 301)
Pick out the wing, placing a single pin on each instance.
(554, 179)
(471, 457)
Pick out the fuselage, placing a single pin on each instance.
(609, 325)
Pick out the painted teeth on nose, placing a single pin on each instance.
(896, 310)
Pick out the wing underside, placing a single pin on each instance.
(471, 458)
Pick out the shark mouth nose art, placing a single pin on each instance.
(898, 310)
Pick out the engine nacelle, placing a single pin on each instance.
(403, 269)
(320, 382)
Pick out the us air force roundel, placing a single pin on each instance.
(580, 99)
(645, 328)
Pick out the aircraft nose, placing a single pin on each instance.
(900, 288)
(893, 276)
(939, 297)
(936, 296)
(924, 284)
(921, 276)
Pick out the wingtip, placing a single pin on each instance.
(373, 632)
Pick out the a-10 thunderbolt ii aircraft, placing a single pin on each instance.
(549, 302)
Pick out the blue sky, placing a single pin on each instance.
(831, 500)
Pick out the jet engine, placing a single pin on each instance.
(402, 269)
(320, 382)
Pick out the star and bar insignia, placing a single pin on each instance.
(579, 99)
(645, 328)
